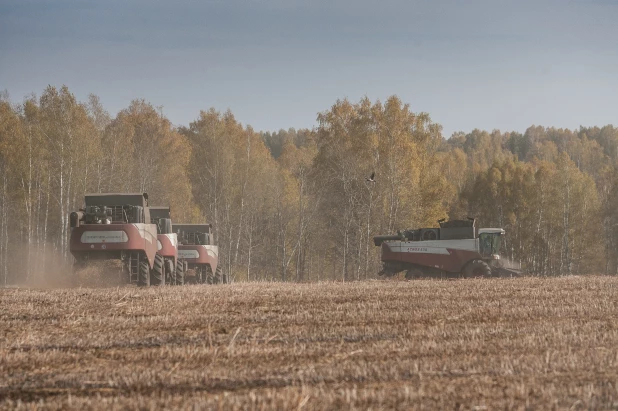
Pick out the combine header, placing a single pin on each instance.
(196, 247)
(115, 227)
(457, 247)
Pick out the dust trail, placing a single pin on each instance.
(100, 274)
(48, 269)
(51, 270)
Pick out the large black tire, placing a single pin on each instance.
(207, 275)
(173, 277)
(144, 274)
(169, 271)
(157, 274)
(218, 276)
(477, 268)
(179, 273)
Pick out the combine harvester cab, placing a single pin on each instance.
(456, 248)
(115, 227)
(196, 248)
(168, 269)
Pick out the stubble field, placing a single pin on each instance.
(468, 344)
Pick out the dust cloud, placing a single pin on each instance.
(99, 274)
(50, 270)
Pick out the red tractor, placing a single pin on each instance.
(115, 227)
(456, 248)
(168, 268)
(196, 247)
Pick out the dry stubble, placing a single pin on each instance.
(470, 344)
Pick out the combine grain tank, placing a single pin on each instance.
(168, 269)
(115, 227)
(196, 248)
(456, 247)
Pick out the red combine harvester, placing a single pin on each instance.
(168, 269)
(456, 248)
(196, 248)
(115, 227)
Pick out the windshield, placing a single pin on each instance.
(198, 238)
(489, 244)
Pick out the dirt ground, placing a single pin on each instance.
(467, 344)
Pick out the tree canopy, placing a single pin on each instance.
(297, 205)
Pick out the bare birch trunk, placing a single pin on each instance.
(242, 197)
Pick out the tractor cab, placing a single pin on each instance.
(161, 216)
(489, 242)
(194, 234)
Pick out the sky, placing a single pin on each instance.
(487, 64)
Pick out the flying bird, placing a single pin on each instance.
(372, 178)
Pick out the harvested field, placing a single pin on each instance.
(470, 344)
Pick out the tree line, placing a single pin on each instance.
(295, 205)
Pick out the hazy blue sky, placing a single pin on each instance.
(277, 63)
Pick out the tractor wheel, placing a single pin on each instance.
(219, 276)
(169, 271)
(180, 273)
(157, 275)
(144, 274)
(477, 268)
(172, 277)
(207, 275)
(413, 273)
